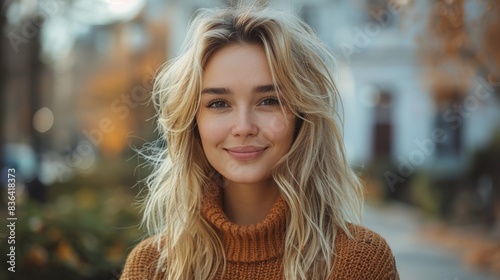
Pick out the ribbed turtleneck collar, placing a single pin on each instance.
(247, 243)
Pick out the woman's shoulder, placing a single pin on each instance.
(142, 261)
(363, 255)
(362, 237)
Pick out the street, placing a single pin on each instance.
(417, 259)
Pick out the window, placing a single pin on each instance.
(382, 127)
(450, 119)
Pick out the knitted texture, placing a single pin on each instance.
(256, 251)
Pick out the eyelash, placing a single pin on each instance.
(272, 98)
(215, 101)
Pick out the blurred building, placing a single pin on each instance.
(417, 109)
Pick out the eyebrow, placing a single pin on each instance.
(223, 90)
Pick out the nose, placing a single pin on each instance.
(244, 124)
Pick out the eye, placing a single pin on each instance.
(217, 104)
(270, 101)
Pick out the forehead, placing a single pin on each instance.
(237, 65)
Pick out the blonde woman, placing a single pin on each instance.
(254, 183)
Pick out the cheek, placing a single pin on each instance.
(278, 125)
(210, 130)
(280, 128)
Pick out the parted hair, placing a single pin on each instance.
(322, 191)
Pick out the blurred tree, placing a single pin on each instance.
(42, 34)
(21, 70)
(36, 189)
(3, 74)
(489, 54)
(456, 50)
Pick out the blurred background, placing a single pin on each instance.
(421, 100)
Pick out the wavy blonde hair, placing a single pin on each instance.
(322, 191)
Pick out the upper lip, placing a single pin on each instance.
(245, 149)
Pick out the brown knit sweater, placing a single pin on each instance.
(256, 251)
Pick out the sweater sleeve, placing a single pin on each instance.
(366, 256)
(142, 261)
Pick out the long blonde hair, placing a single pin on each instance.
(322, 191)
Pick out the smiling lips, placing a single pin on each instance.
(245, 152)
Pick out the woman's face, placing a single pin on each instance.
(243, 129)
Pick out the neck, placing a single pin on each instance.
(247, 204)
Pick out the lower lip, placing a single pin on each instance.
(246, 155)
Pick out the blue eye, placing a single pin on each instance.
(217, 104)
(270, 101)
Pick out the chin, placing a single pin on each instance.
(239, 179)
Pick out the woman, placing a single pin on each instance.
(254, 183)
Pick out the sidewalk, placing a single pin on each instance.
(417, 256)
